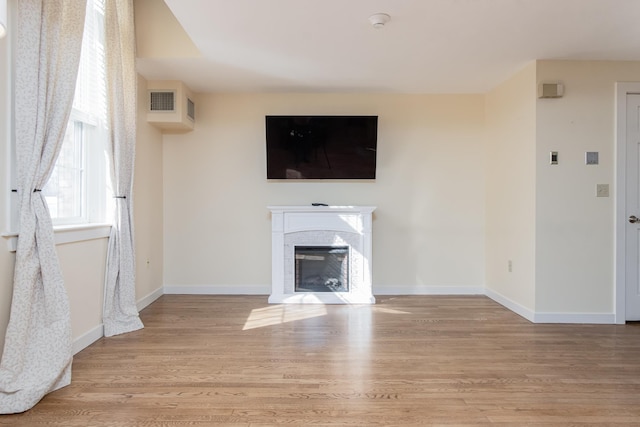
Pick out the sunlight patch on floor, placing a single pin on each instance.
(284, 313)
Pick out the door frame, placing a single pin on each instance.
(620, 215)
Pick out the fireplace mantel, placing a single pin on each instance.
(293, 226)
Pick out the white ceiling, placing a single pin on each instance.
(429, 46)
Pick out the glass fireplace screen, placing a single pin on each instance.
(322, 269)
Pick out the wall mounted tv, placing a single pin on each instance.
(321, 147)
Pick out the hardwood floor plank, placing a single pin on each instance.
(410, 360)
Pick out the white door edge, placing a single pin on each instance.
(622, 90)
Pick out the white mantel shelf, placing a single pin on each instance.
(321, 226)
(310, 208)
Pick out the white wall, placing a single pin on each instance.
(574, 230)
(510, 196)
(428, 230)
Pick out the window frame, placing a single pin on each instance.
(96, 221)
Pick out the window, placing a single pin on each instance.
(76, 192)
(66, 187)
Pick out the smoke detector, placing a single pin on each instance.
(379, 19)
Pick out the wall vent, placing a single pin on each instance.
(162, 101)
(550, 90)
(171, 107)
(191, 109)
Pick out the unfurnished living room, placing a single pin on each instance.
(322, 212)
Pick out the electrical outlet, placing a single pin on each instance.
(510, 266)
(602, 190)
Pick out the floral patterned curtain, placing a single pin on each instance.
(120, 311)
(38, 348)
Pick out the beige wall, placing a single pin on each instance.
(83, 266)
(429, 225)
(148, 212)
(158, 32)
(574, 231)
(549, 215)
(83, 263)
(510, 196)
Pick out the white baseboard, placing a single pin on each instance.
(428, 290)
(217, 290)
(88, 338)
(511, 305)
(145, 301)
(538, 317)
(586, 318)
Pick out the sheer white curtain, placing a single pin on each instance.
(38, 349)
(120, 311)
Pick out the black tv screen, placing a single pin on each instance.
(321, 147)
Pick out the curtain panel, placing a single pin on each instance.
(120, 310)
(38, 353)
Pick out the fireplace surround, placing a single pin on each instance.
(328, 229)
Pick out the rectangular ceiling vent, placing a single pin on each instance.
(171, 106)
(162, 101)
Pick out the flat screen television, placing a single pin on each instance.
(321, 147)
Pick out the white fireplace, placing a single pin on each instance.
(321, 254)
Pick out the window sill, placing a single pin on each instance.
(67, 234)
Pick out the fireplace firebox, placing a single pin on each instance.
(321, 269)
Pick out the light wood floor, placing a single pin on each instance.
(418, 360)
